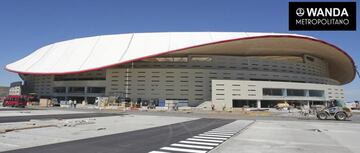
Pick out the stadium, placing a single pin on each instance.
(227, 69)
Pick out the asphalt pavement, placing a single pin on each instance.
(139, 141)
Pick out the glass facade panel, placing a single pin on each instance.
(272, 92)
(295, 92)
(76, 89)
(59, 90)
(316, 93)
(96, 90)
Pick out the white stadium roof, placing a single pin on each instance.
(98, 52)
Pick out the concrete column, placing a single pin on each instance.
(258, 104)
(66, 93)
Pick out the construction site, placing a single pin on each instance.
(136, 76)
(68, 129)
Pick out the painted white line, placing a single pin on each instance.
(204, 140)
(210, 138)
(199, 143)
(191, 146)
(158, 152)
(214, 135)
(183, 150)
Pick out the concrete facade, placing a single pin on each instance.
(226, 93)
(15, 88)
(186, 77)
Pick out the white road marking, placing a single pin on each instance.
(191, 146)
(183, 150)
(204, 140)
(214, 135)
(199, 143)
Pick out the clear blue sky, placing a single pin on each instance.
(26, 25)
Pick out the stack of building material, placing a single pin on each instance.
(45, 102)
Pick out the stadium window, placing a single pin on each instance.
(295, 92)
(59, 89)
(96, 90)
(76, 89)
(272, 92)
(316, 93)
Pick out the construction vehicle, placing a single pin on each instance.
(336, 109)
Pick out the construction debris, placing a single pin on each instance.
(33, 124)
(73, 123)
(102, 128)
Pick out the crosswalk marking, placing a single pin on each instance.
(199, 143)
(204, 140)
(183, 150)
(214, 135)
(191, 146)
(210, 138)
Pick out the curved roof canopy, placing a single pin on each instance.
(93, 53)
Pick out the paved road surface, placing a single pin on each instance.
(6, 119)
(140, 141)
